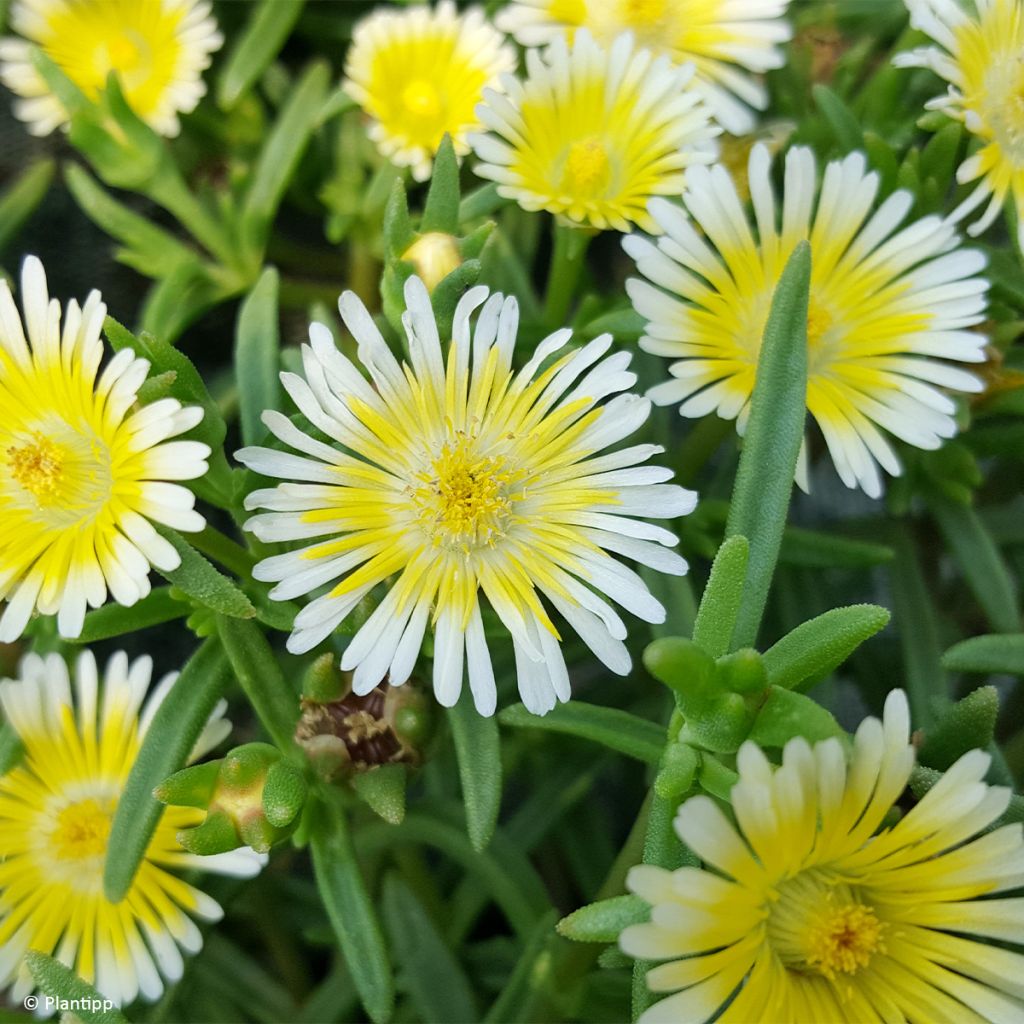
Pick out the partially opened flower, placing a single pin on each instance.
(814, 906)
(593, 133)
(723, 39)
(159, 49)
(83, 474)
(81, 738)
(979, 53)
(887, 306)
(419, 73)
(459, 479)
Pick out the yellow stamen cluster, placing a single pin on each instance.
(37, 467)
(81, 831)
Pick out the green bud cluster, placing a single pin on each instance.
(252, 797)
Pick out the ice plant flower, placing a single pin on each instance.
(813, 907)
(81, 474)
(593, 133)
(56, 808)
(980, 53)
(419, 73)
(887, 306)
(458, 478)
(158, 48)
(721, 38)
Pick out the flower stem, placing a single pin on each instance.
(567, 255)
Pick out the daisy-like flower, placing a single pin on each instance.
(980, 53)
(159, 49)
(456, 479)
(721, 38)
(593, 133)
(56, 809)
(886, 306)
(419, 73)
(812, 907)
(81, 473)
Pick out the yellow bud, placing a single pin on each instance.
(434, 255)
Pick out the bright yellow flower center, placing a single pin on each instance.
(643, 13)
(464, 501)
(819, 925)
(62, 472)
(587, 169)
(819, 323)
(36, 467)
(422, 99)
(82, 830)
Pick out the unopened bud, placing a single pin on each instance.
(434, 255)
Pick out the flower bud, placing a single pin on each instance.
(434, 256)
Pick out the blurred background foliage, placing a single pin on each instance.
(274, 170)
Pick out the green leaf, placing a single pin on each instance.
(22, 197)
(149, 249)
(968, 724)
(980, 562)
(171, 735)
(615, 729)
(786, 714)
(156, 607)
(280, 156)
(60, 982)
(257, 356)
(993, 654)
(441, 212)
(255, 665)
(527, 993)
(188, 386)
(265, 33)
(812, 650)
(430, 971)
(810, 549)
(478, 750)
(383, 790)
(202, 582)
(764, 480)
(720, 604)
(398, 232)
(185, 294)
(844, 124)
(604, 920)
(11, 749)
(351, 912)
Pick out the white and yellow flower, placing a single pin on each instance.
(813, 906)
(419, 73)
(158, 48)
(594, 132)
(980, 53)
(888, 308)
(455, 479)
(80, 740)
(721, 38)
(84, 473)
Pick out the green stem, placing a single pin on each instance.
(171, 192)
(567, 255)
(222, 549)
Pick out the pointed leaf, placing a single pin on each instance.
(604, 920)
(994, 654)
(441, 212)
(478, 750)
(202, 582)
(61, 983)
(383, 790)
(720, 605)
(257, 356)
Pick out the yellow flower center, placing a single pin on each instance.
(640, 14)
(37, 467)
(121, 53)
(819, 924)
(81, 831)
(464, 500)
(1001, 105)
(819, 323)
(422, 99)
(844, 939)
(587, 169)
